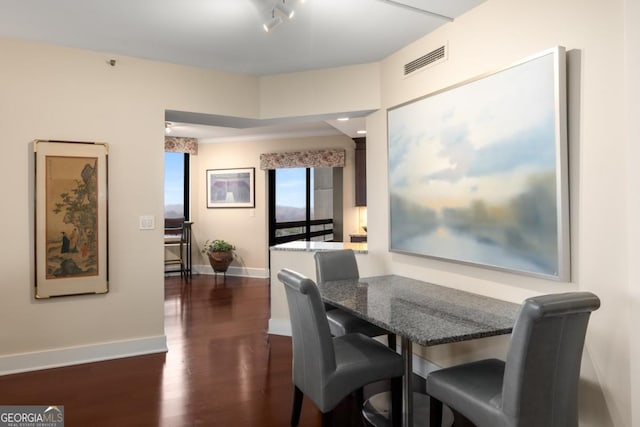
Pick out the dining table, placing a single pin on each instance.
(420, 313)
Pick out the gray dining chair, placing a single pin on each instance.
(538, 383)
(342, 265)
(326, 369)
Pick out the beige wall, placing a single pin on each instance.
(494, 35)
(58, 93)
(247, 229)
(321, 91)
(66, 94)
(632, 128)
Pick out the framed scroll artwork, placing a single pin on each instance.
(71, 224)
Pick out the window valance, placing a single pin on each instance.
(178, 144)
(304, 159)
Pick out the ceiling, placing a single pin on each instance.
(227, 35)
(210, 134)
(210, 128)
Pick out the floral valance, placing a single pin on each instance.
(177, 144)
(303, 159)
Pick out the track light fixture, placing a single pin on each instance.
(285, 10)
(274, 22)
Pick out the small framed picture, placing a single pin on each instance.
(71, 241)
(231, 188)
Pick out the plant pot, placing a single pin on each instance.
(220, 260)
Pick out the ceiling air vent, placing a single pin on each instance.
(436, 55)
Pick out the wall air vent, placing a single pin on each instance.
(435, 56)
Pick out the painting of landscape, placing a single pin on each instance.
(71, 218)
(477, 172)
(72, 213)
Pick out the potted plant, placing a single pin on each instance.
(220, 254)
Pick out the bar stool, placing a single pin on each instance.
(174, 237)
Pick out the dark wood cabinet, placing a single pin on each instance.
(358, 238)
(361, 171)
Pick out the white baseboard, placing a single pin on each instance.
(56, 358)
(260, 273)
(421, 366)
(279, 327)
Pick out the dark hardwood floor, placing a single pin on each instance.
(222, 369)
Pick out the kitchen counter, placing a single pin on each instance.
(307, 246)
(299, 256)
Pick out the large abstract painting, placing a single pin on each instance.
(478, 171)
(71, 218)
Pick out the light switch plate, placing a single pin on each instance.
(147, 222)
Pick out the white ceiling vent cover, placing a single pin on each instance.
(434, 57)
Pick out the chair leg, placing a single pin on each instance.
(297, 406)
(326, 419)
(396, 401)
(391, 340)
(435, 412)
(358, 396)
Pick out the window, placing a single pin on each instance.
(176, 185)
(301, 202)
(291, 190)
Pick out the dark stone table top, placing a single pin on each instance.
(425, 313)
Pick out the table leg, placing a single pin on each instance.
(406, 350)
(377, 408)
